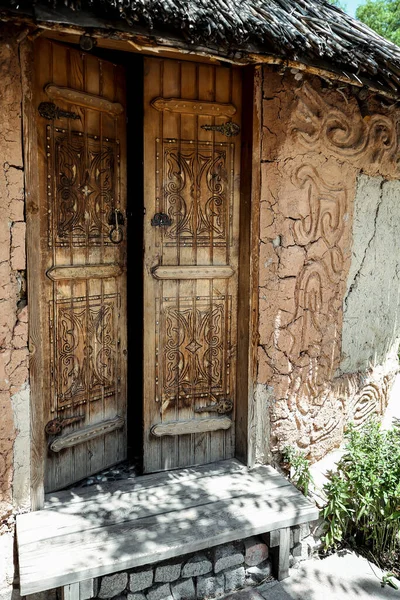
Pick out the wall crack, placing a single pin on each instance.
(367, 247)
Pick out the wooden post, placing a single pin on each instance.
(86, 589)
(70, 592)
(280, 552)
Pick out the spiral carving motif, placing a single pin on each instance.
(348, 135)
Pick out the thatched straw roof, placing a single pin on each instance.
(310, 31)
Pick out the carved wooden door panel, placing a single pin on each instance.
(80, 121)
(191, 234)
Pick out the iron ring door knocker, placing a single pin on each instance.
(117, 220)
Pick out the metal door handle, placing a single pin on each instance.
(221, 407)
(161, 220)
(56, 425)
(116, 219)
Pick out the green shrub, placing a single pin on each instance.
(300, 466)
(363, 494)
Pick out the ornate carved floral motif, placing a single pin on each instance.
(85, 187)
(197, 194)
(85, 349)
(194, 357)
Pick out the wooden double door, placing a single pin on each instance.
(191, 159)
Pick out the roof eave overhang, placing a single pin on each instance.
(140, 40)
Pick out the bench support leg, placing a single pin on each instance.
(70, 592)
(280, 547)
(78, 591)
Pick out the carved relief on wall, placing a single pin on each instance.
(314, 209)
(320, 142)
(83, 176)
(84, 349)
(317, 281)
(341, 130)
(197, 191)
(194, 340)
(370, 400)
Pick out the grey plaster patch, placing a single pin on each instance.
(7, 593)
(244, 595)
(371, 307)
(341, 575)
(278, 593)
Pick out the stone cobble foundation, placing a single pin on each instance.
(208, 574)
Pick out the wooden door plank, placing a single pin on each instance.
(249, 422)
(186, 255)
(171, 254)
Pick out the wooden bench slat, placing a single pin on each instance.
(117, 507)
(100, 490)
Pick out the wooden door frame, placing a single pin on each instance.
(31, 175)
(246, 412)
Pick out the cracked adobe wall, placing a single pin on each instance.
(316, 141)
(14, 392)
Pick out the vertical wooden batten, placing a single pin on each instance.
(246, 417)
(31, 170)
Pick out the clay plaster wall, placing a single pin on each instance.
(316, 141)
(14, 391)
